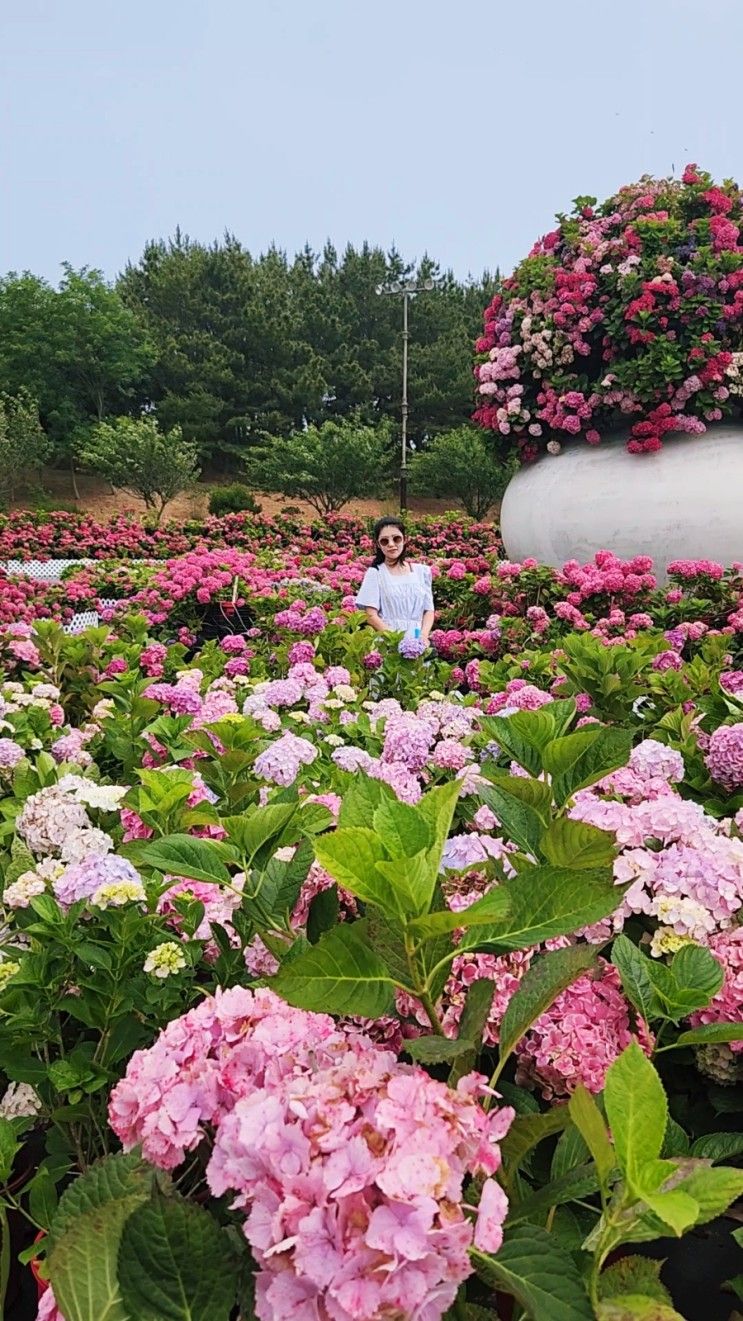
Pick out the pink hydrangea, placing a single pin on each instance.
(724, 759)
(727, 1005)
(451, 755)
(203, 1062)
(219, 905)
(364, 1157)
(408, 739)
(398, 776)
(335, 1151)
(579, 1036)
(652, 760)
(504, 971)
(519, 696)
(48, 1309)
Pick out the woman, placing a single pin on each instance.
(396, 595)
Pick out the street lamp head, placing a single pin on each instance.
(428, 284)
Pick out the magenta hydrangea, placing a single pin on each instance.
(572, 339)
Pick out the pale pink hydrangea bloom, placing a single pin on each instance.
(48, 1310)
(356, 1158)
(451, 755)
(219, 905)
(408, 740)
(398, 776)
(724, 759)
(336, 1151)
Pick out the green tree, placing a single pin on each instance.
(24, 445)
(133, 454)
(78, 350)
(461, 465)
(326, 465)
(249, 348)
(232, 367)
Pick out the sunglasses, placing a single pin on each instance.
(390, 541)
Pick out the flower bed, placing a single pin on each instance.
(405, 983)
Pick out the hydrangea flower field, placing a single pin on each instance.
(341, 982)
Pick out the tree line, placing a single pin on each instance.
(231, 350)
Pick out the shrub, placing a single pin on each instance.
(232, 499)
(462, 465)
(24, 444)
(327, 465)
(133, 454)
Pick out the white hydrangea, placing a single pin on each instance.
(19, 1101)
(86, 843)
(48, 818)
(165, 959)
(105, 797)
(114, 894)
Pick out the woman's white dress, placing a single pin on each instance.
(401, 598)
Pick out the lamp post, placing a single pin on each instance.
(406, 292)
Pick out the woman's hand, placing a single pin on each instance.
(427, 624)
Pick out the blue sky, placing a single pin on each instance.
(437, 125)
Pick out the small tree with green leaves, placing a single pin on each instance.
(133, 454)
(462, 465)
(327, 465)
(24, 445)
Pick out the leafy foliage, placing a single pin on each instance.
(461, 465)
(327, 465)
(135, 455)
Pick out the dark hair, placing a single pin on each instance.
(379, 526)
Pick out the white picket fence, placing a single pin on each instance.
(50, 571)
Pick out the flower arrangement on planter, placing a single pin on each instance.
(631, 311)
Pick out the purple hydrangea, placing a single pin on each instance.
(411, 648)
(81, 879)
(10, 753)
(280, 763)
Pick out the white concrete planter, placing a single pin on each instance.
(685, 502)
